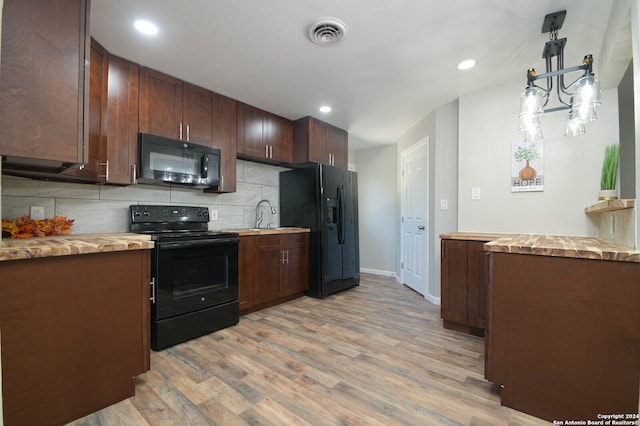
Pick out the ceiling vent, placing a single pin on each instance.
(327, 31)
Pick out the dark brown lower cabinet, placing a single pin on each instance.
(563, 335)
(463, 287)
(75, 333)
(273, 269)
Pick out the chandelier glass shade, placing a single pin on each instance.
(581, 97)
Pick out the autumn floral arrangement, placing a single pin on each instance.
(25, 227)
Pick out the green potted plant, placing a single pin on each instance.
(527, 154)
(609, 174)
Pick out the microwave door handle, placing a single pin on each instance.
(204, 166)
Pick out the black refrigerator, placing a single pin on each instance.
(324, 199)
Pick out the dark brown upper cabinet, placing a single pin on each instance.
(120, 154)
(44, 82)
(176, 109)
(224, 138)
(113, 119)
(318, 142)
(263, 136)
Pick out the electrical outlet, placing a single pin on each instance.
(36, 212)
(213, 215)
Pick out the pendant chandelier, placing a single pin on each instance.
(581, 97)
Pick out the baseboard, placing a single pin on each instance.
(428, 297)
(432, 299)
(378, 272)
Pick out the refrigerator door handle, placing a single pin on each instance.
(341, 213)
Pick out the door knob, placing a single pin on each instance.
(421, 227)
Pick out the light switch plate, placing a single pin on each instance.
(475, 193)
(213, 215)
(444, 204)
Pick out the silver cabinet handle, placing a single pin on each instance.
(188, 133)
(266, 151)
(221, 186)
(134, 177)
(421, 227)
(180, 130)
(106, 170)
(287, 257)
(153, 290)
(270, 151)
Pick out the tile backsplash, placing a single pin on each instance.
(105, 208)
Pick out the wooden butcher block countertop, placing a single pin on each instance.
(472, 236)
(64, 245)
(268, 231)
(563, 246)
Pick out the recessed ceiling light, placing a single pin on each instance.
(466, 64)
(146, 27)
(325, 109)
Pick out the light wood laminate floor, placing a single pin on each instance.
(373, 355)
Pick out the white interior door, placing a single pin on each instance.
(414, 216)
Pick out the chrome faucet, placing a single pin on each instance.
(259, 215)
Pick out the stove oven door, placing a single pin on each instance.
(194, 275)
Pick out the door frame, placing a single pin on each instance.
(405, 152)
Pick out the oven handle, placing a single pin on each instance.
(196, 243)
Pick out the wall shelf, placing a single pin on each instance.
(610, 205)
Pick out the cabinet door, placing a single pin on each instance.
(476, 286)
(98, 76)
(279, 137)
(197, 114)
(250, 131)
(224, 138)
(44, 83)
(454, 281)
(317, 142)
(246, 272)
(267, 261)
(63, 339)
(122, 122)
(295, 270)
(160, 104)
(337, 146)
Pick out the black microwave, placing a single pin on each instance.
(167, 161)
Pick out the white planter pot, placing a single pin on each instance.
(608, 194)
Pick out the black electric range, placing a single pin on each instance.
(194, 273)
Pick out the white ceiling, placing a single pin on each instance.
(397, 64)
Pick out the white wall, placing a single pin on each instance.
(104, 209)
(441, 126)
(572, 165)
(627, 186)
(377, 207)
(445, 186)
